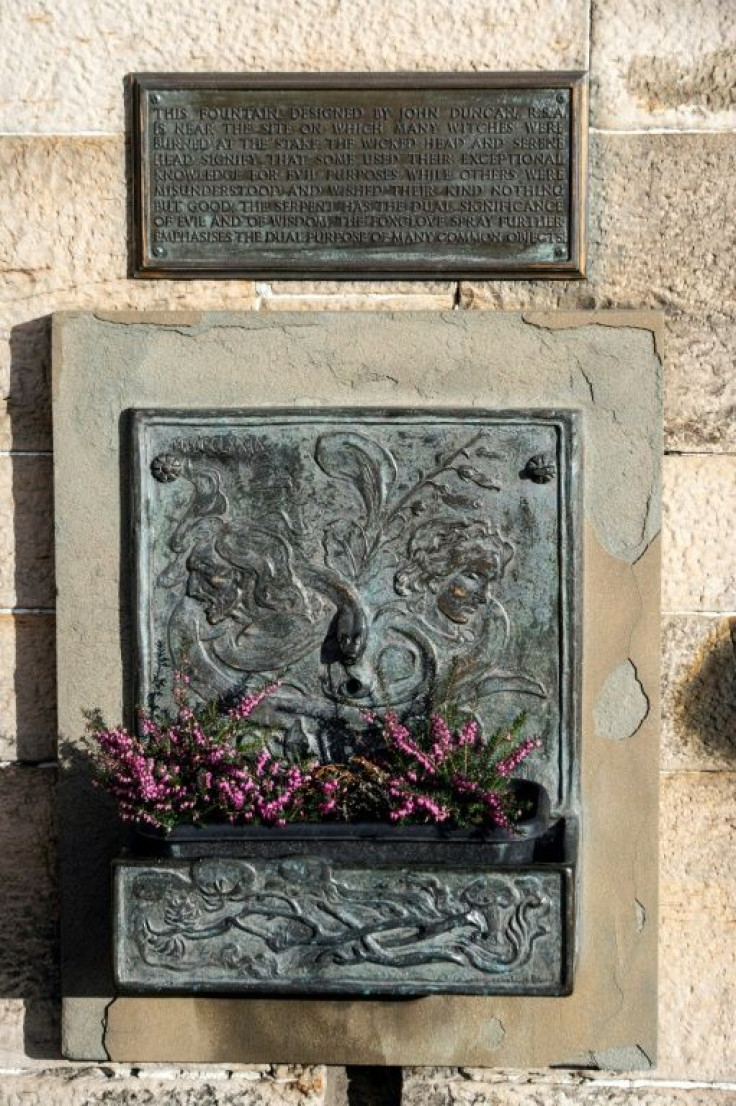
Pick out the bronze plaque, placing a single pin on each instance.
(367, 559)
(359, 175)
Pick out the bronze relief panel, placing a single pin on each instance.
(365, 559)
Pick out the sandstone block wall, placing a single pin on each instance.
(662, 192)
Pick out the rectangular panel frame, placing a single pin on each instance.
(565, 423)
(157, 951)
(306, 263)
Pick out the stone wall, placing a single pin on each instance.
(662, 192)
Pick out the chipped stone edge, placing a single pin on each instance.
(648, 706)
(652, 321)
(84, 1020)
(621, 1058)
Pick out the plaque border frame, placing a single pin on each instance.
(145, 266)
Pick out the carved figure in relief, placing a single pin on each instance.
(450, 567)
(289, 918)
(364, 607)
(258, 607)
(449, 627)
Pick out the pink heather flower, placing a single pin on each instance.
(245, 706)
(441, 775)
(178, 771)
(436, 810)
(496, 811)
(263, 758)
(506, 766)
(469, 733)
(462, 783)
(443, 740)
(175, 771)
(400, 737)
(441, 731)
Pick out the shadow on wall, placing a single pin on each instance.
(32, 586)
(700, 704)
(29, 985)
(29, 958)
(43, 801)
(372, 1086)
(29, 398)
(33, 583)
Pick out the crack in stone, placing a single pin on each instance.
(588, 381)
(104, 1022)
(543, 319)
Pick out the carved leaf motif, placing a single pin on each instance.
(345, 547)
(358, 460)
(456, 499)
(221, 879)
(171, 946)
(181, 910)
(510, 681)
(473, 475)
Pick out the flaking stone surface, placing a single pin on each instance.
(659, 64)
(48, 87)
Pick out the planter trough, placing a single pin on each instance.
(335, 909)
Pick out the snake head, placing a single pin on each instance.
(351, 645)
(351, 632)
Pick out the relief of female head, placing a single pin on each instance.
(237, 571)
(452, 563)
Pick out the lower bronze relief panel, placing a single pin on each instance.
(307, 925)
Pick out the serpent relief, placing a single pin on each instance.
(363, 562)
(309, 922)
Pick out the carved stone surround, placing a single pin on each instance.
(446, 371)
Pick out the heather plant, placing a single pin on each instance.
(443, 773)
(202, 765)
